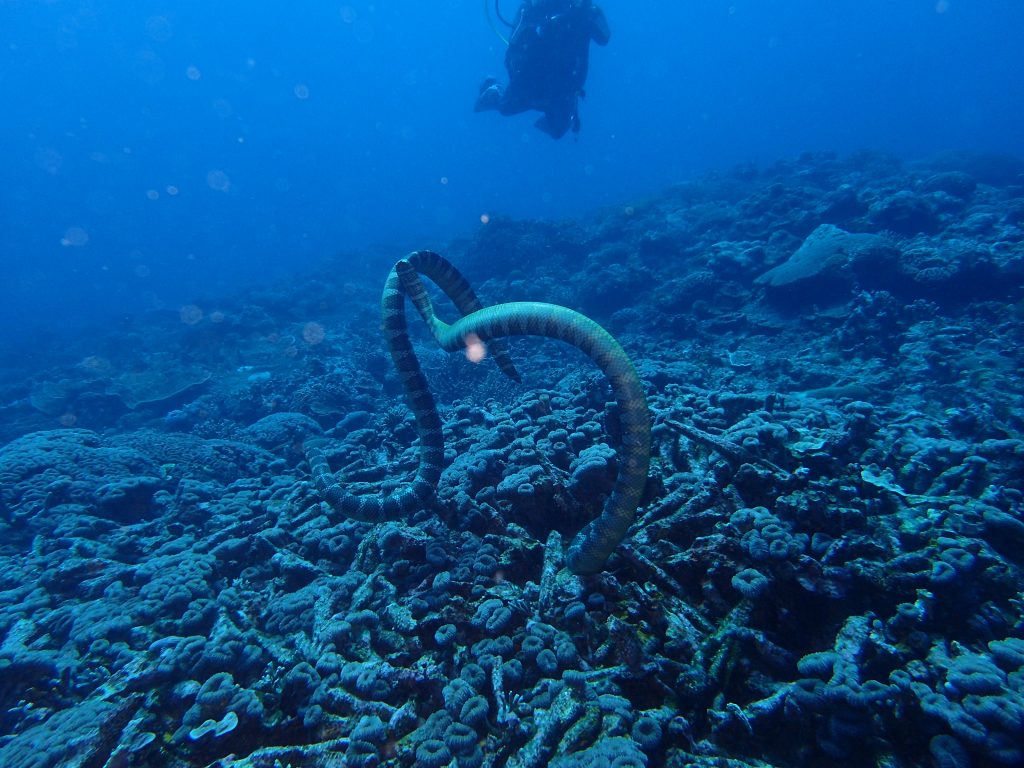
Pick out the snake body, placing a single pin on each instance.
(593, 545)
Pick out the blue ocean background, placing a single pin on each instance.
(158, 153)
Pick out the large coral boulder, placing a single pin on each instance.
(829, 264)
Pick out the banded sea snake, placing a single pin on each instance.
(592, 546)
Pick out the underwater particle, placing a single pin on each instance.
(152, 194)
(942, 6)
(159, 28)
(301, 91)
(313, 333)
(49, 160)
(218, 181)
(475, 349)
(149, 67)
(74, 237)
(485, 218)
(192, 72)
(444, 179)
(190, 314)
(171, 190)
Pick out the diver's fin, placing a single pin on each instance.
(489, 98)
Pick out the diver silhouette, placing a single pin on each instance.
(547, 59)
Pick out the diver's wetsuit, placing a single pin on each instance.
(547, 60)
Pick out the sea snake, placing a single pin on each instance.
(592, 546)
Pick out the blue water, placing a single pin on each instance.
(157, 152)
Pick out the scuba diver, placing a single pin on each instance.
(547, 59)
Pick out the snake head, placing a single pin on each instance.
(409, 277)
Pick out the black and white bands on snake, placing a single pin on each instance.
(592, 546)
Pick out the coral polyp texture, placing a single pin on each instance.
(592, 547)
(824, 566)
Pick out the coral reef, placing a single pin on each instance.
(825, 568)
